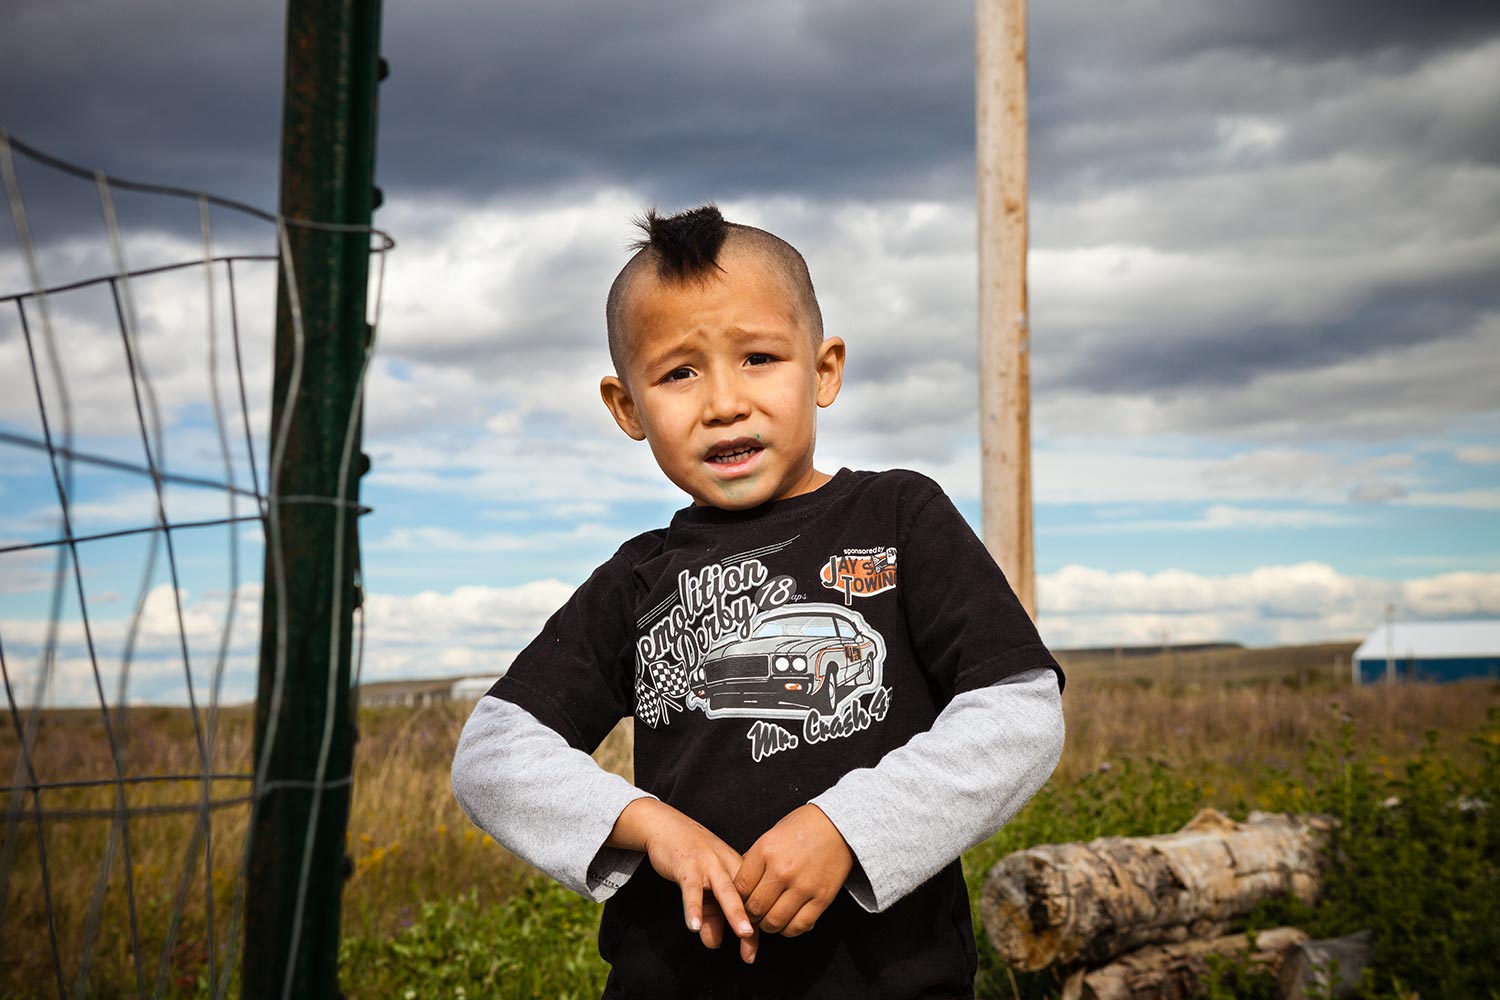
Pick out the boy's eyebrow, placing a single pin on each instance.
(684, 346)
(774, 330)
(658, 358)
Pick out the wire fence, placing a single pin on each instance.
(139, 497)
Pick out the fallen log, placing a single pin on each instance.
(1178, 971)
(1084, 904)
(1330, 968)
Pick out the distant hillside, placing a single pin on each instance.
(1198, 663)
(1212, 663)
(1152, 650)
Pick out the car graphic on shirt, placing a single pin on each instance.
(796, 659)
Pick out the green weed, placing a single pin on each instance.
(539, 943)
(1235, 977)
(1416, 860)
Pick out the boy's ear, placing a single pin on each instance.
(830, 367)
(617, 397)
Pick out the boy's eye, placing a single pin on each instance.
(677, 375)
(759, 359)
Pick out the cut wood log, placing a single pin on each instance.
(1332, 968)
(1178, 971)
(1084, 904)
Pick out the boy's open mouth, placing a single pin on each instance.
(733, 452)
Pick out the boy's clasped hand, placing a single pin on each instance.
(781, 885)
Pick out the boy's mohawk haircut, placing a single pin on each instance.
(686, 245)
(685, 248)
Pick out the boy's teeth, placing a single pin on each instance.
(730, 457)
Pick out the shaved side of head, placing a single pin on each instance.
(688, 248)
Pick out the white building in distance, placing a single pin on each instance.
(1429, 651)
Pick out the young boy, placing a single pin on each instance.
(835, 690)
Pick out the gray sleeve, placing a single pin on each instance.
(948, 788)
(549, 804)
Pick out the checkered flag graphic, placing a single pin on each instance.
(670, 678)
(647, 702)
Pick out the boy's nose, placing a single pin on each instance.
(726, 400)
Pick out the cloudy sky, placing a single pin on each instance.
(1263, 274)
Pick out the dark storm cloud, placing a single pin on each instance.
(1101, 37)
(176, 93)
(1332, 28)
(682, 100)
(1160, 360)
(1325, 145)
(1124, 92)
(170, 93)
(678, 100)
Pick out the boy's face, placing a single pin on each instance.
(724, 382)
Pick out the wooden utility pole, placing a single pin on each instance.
(1004, 329)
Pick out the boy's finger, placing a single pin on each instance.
(760, 902)
(692, 905)
(734, 909)
(712, 934)
(749, 947)
(752, 869)
(782, 911)
(805, 919)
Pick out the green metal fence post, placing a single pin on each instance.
(327, 169)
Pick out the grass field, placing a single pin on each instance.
(434, 908)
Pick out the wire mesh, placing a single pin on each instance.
(140, 481)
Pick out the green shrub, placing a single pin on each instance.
(539, 943)
(1416, 860)
(1235, 977)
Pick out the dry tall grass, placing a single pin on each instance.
(1241, 730)
(91, 868)
(410, 842)
(407, 838)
